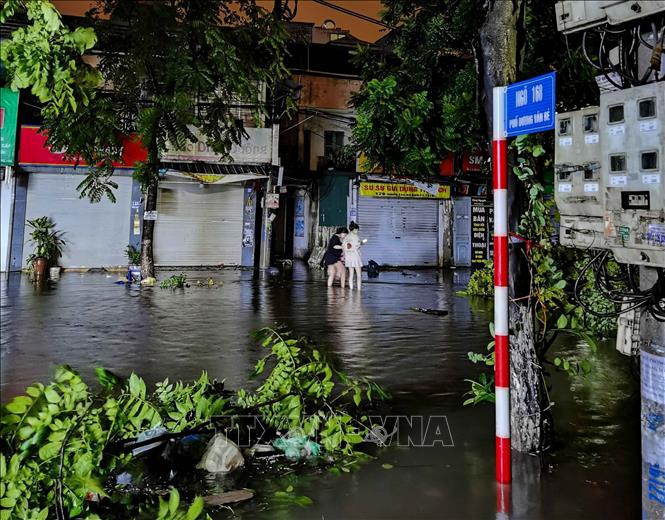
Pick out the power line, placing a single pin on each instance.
(353, 13)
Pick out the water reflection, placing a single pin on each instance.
(87, 320)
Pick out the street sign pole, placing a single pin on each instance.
(526, 107)
(502, 359)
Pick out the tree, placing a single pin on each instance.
(46, 57)
(171, 72)
(420, 98)
(433, 93)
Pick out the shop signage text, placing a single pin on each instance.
(35, 151)
(255, 149)
(406, 191)
(472, 161)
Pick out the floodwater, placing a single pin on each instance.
(593, 471)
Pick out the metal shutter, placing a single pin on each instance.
(96, 235)
(399, 232)
(198, 225)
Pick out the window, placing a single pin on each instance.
(565, 127)
(616, 114)
(647, 108)
(333, 141)
(591, 123)
(649, 161)
(618, 163)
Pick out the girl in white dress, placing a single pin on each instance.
(352, 259)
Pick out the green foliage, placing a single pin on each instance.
(599, 327)
(177, 281)
(46, 57)
(288, 496)
(47, 241)
(554, 311)
(55, 439)
(133, 255)
(460, 112)
(420, 101)
(171, 510)
(173, 76)
(59, 442)
(307, 393)
(482, 391)
(481, 282)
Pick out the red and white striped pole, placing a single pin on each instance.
(502, 359)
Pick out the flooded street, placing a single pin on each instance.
(86, 320)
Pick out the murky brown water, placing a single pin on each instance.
(594, 471)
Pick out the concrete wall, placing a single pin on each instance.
(326, 92)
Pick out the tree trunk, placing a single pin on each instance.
(447, 233)
(525, 379)
(147, 257)
(499, 53)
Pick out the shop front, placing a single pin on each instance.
(96, 235)
(207, 219)
(403, 223)
(208, 206)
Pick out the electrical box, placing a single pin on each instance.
(576, 15)
(582, 232)
(632, 139)
(578, 189)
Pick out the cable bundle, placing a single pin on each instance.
(621, 289)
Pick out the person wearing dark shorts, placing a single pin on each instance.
(333, 257)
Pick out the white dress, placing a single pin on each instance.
(351, 247)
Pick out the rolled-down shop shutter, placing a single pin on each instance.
(198, 224)
(399, 232)
(95, 235)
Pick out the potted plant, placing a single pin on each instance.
(48, 245)
(134, 262)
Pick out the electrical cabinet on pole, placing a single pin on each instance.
(633, 144)
(624, 159)
(578, 181)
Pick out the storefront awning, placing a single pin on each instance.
(213, 173)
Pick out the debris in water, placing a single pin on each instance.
(435, 312)
(147, 435)
(237, 495)
(297, 447)
(221, 456)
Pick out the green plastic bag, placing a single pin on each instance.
(297, 447)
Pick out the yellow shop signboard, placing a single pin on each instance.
(404, 191)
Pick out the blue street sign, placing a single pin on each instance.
(531, 105)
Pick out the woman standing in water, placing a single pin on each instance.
(333, 257)
(352, 258)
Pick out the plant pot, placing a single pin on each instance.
(54, 273)
(39, 266)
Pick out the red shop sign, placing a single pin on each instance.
(472, 161)
(34, 151)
